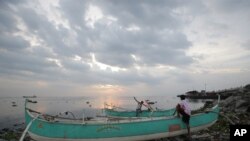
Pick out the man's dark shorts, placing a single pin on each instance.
(185, 118)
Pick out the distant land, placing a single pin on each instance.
(214, 94)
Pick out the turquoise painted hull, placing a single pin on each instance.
(144, 113)
(139, 129)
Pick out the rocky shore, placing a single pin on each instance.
(235, 109)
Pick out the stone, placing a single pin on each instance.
(241, 110)
(247, 87)
(229, 101)
(248, 109)
(241, 103)
(5, 129)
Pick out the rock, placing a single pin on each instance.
(248, 109)
(247, 93)
(241, 110)
(5, 129)
(247, 87)
(241, 103)
(228, 100)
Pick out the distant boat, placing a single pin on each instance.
(52, 128)
(14, 105)
(144, 113)
(30, 101)
(34, 96)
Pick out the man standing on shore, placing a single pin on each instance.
(184, 109)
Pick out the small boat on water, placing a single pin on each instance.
(43, 127)
(33, 96)
(143, 113)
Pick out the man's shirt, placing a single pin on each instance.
(185, 106)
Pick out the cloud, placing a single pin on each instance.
(246, 44)
(12, 43)
(125, 43)
(8, 21)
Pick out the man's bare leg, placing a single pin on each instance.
(188, 128)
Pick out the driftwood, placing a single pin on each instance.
(236, 117)
(227, 118)
(201, 136)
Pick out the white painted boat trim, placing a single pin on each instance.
(131, 138)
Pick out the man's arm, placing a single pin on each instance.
(136, 100)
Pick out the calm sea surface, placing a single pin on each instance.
(13, 116)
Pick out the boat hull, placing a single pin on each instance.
(132, 138)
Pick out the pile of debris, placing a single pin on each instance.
(233, 110)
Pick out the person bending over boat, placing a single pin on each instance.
(139, 106)
(184, 110)
(148, 105)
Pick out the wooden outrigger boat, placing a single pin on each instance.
(143, 113)
(50, 128)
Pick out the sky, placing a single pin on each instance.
(123, 47)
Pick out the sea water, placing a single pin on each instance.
(12, 108)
